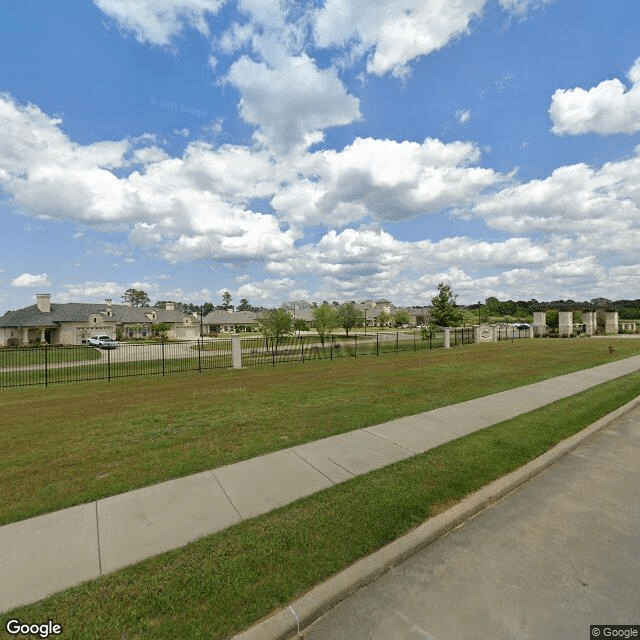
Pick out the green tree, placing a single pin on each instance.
(275, 324)
(444, 311)
(244, 305)
(161, 329)
(300, 325)
(469, 317)
(349, 317)
(400, 317)
(325, 320)
(226, 300)
(136, 298)
(492, 306)
(384, 319)
(552, 319)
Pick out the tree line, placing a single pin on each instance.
(328, 316)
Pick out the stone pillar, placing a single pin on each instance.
(611, 325)
(484, 333)
(589, 319)
(565, 323)
(540, 321)
(25, 336)
(447, 338)
(531, 331)
(236, 352)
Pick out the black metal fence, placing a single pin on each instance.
(259, 351)
(511, 333)
(45, 365)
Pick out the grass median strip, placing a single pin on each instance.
(69, 445)
(223, 583)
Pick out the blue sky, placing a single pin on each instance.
(323, 150)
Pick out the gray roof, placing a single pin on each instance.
(219, 316)
(80, 312)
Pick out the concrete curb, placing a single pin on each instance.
(288, 623)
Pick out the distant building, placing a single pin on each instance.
(229, 321)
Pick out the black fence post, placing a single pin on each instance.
(108, 365)
(355, 345)
(200, 346)
(377, 344)
(162, 349)
(302, 348)
(414, 341)
(46, 367)
(397, 341)
(331, 348)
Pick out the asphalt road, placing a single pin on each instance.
(558, 555)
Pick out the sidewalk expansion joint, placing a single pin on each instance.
(343, 468)
(313, 466)
(377, 435)
(227, 496)
(98, 540)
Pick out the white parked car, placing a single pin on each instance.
(103, 342)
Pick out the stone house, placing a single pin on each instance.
(72, 323)
(229, 321)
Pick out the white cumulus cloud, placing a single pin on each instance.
(158, 21)
(293, 103)
(610, 107)
(31, 280)
(385, 179)
(394, 32)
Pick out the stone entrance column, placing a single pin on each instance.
(236, 352)
(565, 323)
(447, 338)
(484, 333)
(589, 319)
(25, 336)
(611, 325)
(540, 320)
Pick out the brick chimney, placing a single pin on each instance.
(44, 302)
(169, 306)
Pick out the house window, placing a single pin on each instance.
(95, 320)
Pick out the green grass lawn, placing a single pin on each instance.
(223, 583)
(70, 444)
(12, 357)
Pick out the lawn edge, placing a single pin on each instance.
(289, 622)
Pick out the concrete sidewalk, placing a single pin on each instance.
(48, 553)
(559, 554)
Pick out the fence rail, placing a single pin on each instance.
(258, 351)
(45, 365)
